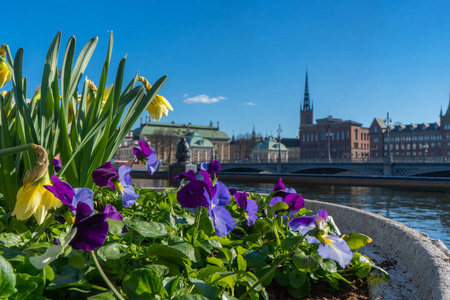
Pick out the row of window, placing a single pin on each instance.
(422, 137)
(413, 146)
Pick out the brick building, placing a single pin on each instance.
(412, 141)
(330, 138)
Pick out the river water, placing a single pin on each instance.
(426, 211)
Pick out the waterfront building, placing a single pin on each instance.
(270, 150)
(330, 138)
(412, 141)
(205, 142)
(293, 145)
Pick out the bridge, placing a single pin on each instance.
(380, 167)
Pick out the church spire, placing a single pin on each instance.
(306, 101)
(306, 110)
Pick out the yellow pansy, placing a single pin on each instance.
(32, 197)
(159, 106)
(5, 74)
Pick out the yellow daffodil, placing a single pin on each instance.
(32, 197)
(5, 74)
(93, 89)
(159, 106)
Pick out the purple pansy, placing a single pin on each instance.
(70, 196)
(103, 175)
(124, 185)
(112, 213)
(248, 205)
(121, 180)
(189, 175)
(202, 193)
(91, 229)
(147, 156)
(57, 165)
(212, 167)
(288, 196)
(330, 246)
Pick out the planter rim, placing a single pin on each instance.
(425, 260)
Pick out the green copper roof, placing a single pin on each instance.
(181, 130)
(270, 144)
(195, 140)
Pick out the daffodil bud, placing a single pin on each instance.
(39, 169)
(5, 74)
(145, 82)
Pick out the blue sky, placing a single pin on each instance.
(249, 58)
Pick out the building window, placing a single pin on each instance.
(356, 134)
(375, 129)
(355, 145)
(323, 134)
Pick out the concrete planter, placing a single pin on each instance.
(420, 265)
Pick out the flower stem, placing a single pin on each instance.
(272, 269)
(105, 278)
(17, 149)
(198, 213)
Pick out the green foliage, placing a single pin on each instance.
(61, 120)
(160, 250)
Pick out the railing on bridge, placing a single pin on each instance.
(417, 159)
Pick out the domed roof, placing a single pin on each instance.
(196, 140)
(270, 144)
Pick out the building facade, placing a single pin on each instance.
(412, 141)
(330, 138)
(270, 150)
(205, 142)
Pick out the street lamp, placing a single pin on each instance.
(329, 134)
(425, 147)
(279, 143)
(388, 128)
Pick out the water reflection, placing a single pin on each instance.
(427, 211)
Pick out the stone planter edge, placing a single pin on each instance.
(426, 260)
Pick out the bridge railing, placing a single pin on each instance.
(397, 159)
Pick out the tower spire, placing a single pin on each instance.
(306, 110)
(306, 101)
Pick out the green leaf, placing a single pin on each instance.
(263, 225)
(77, 260)
(172, 284)
(214, 261)
(188, 250)
(160, 270)
(297, 278)
(356, 240)
(204, 273)
(282, 276)
(146, 229)
(115, 227)
(112, 251)
(262, 271)
(279, 206)
(328, 265)
(27, 284)
(143, 283)
(10, 239)
(190, 297)
(207, 290)
(168, 253)
(288, 243)
(103, 296)
(307, 263)
(7, 278)
(301, 292)
(256, 256)
(241, 262)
